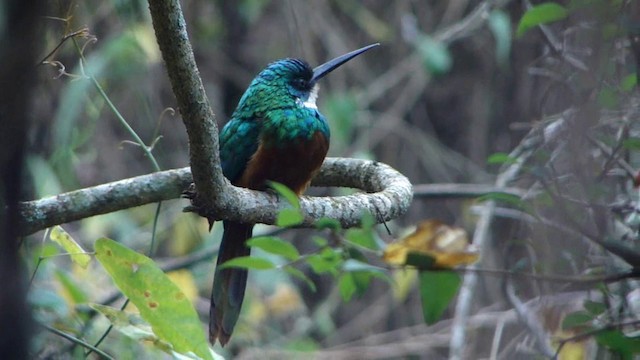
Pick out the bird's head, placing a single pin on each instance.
(288, 83)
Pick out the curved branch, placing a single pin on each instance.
(389, 196)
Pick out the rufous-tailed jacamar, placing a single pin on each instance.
(275, 134)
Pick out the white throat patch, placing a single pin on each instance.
(313, 96)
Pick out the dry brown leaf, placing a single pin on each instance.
(448, 246)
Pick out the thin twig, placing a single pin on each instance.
(75, 340)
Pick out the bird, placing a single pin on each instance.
(276, 133)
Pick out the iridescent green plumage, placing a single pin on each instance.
(275, 134)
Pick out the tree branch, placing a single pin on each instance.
(102, 199)
(389, 196)
(198, 118)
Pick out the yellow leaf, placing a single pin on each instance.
(62, 238)
(447, 246)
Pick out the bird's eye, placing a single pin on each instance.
(300, 84)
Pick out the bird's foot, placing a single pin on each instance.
(195, 206)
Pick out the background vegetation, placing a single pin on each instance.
(460, 92)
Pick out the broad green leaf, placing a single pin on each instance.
(575, 319)
(300, 275)
(160, 302)
(289, 217)
(287, 193)
(248, 262)
(62, 238)
(540, 14)
(617, 341)
(437, 289)
(500, 26)
(274, 245)
(435, 55)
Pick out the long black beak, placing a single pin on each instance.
(330, 65)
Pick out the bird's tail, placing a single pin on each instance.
(228, 284)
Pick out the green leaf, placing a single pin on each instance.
(274, 245)
(357, 276)
(134, 327)
(500, 158)
(500, 26)
(420, 261)
(541, 14)
(289, 217)
(347, 286)
(328, 260)
(160, 302)
(595, 308)
(575, 319)
(300, 275)
(435, 55)
(62, 238)
(437, 289)
(75, 292)
(248, 262)
(286, 193)
(616, 341)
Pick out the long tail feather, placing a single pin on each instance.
(228, 284)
